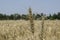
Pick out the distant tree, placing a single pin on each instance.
(54, 16)
(50, 17)
(11, 17)
(24, 16)
(1, 16)
(38, 16)
(58, 15)
(42, 14)
(16, 16)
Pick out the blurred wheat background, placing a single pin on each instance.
(20, 30)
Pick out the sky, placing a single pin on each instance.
(22, 6)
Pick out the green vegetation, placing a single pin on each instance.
(25, 16)
(36, 16)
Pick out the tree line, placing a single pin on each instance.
(26, 16)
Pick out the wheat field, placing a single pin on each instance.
(21, 30)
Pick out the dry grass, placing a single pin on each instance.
(20, 30)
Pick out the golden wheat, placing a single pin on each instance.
(20, 30)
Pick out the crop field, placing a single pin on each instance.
(21, 30)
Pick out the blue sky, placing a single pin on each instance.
(21, 6)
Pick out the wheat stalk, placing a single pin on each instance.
(31, 20)
(42, 31)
